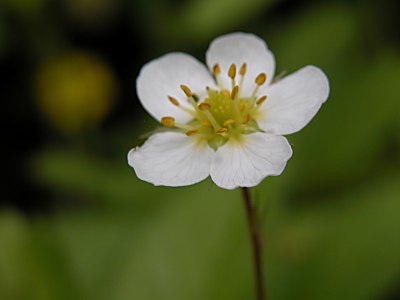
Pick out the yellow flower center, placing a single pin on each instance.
(223, 114)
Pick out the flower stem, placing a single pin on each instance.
(256, 241)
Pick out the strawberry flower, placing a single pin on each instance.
(226, 121)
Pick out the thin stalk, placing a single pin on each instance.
(256, 241)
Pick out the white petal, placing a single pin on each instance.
(239, 48)
(172, 159)
(163, 76)
(247, 163)
(293, 101)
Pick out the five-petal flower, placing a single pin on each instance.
(228, 122)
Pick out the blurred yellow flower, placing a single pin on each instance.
(75, 91)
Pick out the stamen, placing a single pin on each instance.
(242, 106)
(261, 100)
(191, 97)
(212, 120)
(242, 72)
(228, 122)
(173, 100)
(206, 124)
(186, 90)
(260, 79)
(204, 106)
(217, 69)
(222, 130)
(168, 121)
(191, 132)
(234, 92)
(243, 69)
(226, 93)
(232, 71)
(232, 74)
(246, 119)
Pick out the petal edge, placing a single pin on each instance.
(241, 48)
(247, 163)
(171, 159)
(162, 77)
(293, 101)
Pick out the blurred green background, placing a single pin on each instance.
(76, 223)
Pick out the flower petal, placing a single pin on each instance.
(172, 159)
(247, 162)
(293, 101)
(163, 76)
(239, 48)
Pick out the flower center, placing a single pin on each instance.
(224, 113)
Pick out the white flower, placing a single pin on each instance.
(228, 123)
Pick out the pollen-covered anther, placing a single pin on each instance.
(222, 130)
(206, 124)
(228, 122)
(168, 121)
(242, 106)
(232, 71)
(261, 100)
(234, 92)
(186, 90)
(204, 106)
(243, 69)
(261, 78)
(173, 100)
(216, 69)
(246, 119)
(226, 93)
(191, 132)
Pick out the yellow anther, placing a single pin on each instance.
(173, 101)
(216, 69)
(260, 79)
(243, 69)
(234, 92)
(206, 124)
(191, 132)
(246, 119)
(168, 121)
(186, 90)
(242, 106)
(204, 106)
(232, 71)
(228, 122)
(261, 100)
(226, 93)
(222, 130)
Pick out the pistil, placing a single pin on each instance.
(224, 113)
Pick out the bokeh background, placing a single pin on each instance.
(76, 223)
